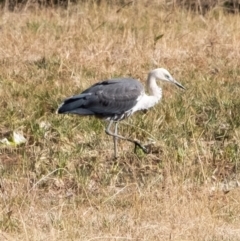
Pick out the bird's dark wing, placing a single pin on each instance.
(105, 99)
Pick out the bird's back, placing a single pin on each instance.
(110, 99)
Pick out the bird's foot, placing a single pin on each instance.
(137, 144)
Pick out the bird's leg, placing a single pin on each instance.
(108, 132)
(115, 140)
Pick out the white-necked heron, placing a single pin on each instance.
(115, 99)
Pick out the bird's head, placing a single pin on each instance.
(163, 74)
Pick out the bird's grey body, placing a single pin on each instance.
(110, 99)
(116, 99)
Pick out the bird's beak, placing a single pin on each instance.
(178, 84)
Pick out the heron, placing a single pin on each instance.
(116, 99)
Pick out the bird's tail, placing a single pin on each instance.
(75, 105)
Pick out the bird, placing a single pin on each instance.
(116, 99)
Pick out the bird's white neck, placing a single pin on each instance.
(148, 101)
(153, 88)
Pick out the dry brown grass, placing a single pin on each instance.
(63, 183)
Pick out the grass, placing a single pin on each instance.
(63, 184)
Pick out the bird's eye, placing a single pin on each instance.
(167, 76)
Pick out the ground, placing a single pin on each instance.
(63, 182)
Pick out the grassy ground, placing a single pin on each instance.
(63, 183)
